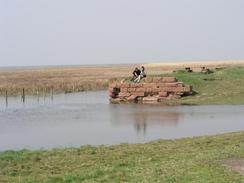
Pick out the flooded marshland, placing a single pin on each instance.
(68, 120)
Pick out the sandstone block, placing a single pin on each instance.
(177, 89)
(181, 84)
(157, 79)
(138, 94)
(156, 90)
(169, 79)
(136, 85)
(125, 85)
(131, 98)
(187, 89)
(158, 85)
(150, 85)
(173, 96)
(124, 94)
(149, 89)
(171, 84)
(162, 99)
(179, 93)
(150, 99)
(141, 89)
(131, 89)
(123, 90)
(163, 94)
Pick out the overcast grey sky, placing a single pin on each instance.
(58, 32)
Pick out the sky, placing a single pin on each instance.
(67, 32)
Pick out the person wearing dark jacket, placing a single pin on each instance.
(136, 72)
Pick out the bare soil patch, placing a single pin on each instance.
(235, 165)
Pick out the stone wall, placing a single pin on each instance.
(150, 89)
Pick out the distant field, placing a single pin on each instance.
(75, 79)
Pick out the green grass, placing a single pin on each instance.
(184, 161)
(224, 86)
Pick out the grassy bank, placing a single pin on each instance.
(224, 86)
(186, 160)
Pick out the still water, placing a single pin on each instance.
(87, 118)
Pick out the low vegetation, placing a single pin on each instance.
(187, 160)
(224, 86)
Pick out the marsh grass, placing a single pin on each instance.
(59, 80)
(181, 161)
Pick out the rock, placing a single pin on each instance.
(124, 94)
(132, 98)
(160, 88)
(163, 94)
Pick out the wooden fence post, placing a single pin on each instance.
(23, 95)
(6, 98)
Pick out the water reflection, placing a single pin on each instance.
(142, 120)
(145, 116)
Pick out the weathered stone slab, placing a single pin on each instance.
(157, 79)
(125, 85)
(163, 94)
(150, 99)
(150, 85)
(131, 89)
(169, 79)
(142, 89)
(175, 84)
(138, 94)
(187, 89)
(171, 84)
(136, 85)
(149, 89)
(132, 97)
(124, 94)
(123, 90)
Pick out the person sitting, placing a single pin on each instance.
(141, 75)
(136, 73)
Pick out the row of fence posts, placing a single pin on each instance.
(23, 96)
